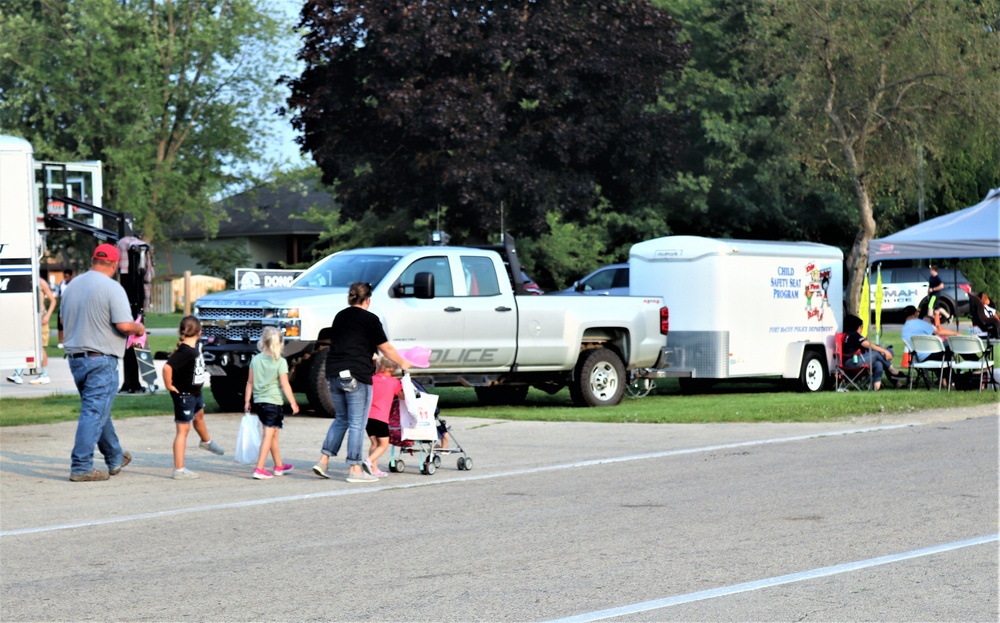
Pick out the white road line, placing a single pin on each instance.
(802, 576)
(443, 481)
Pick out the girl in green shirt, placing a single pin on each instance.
(267, 381)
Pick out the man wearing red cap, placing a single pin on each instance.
(97, 319)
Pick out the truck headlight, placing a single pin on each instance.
(282, 312)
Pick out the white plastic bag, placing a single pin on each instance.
(248, 440)
(416, 413)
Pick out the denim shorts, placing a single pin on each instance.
(270, 415)
(186, 407)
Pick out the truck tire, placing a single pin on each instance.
(502, 395)
(317, 389)
(599, 379)
(812, 378)
(230, 391)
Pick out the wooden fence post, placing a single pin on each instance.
(187, 292)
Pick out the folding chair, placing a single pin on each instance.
(850, 373)
(973, 356)
(923, 346)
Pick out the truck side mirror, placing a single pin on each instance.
(423, 285)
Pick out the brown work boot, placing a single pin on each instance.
(125, 461)
(89, 476)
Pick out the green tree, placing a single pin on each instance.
(171, 95)
(222, 261)
(737, 178)
(537, 106)
(866, 85)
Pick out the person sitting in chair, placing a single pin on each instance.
(919, 323)
(872, 354)
(990, 313)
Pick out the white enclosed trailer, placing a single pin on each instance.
(744, 308)
(21, 346)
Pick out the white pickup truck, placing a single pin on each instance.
(459, 303)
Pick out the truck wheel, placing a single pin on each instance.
(317, 389)
(230, 390)
(502, 395)
(599, 380)
(813, 375)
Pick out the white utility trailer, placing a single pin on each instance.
(744, 308)
(21, 346)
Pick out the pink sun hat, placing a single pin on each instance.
(419, 356)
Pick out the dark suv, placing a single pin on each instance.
(907, 285)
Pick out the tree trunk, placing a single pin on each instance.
(857, 259)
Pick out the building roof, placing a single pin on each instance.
(269, 210)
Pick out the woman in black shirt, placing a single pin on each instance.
(357, 335)
(872, 354)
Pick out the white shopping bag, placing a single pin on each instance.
(416, 413)
(248, 440)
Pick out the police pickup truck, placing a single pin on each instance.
(458, 302)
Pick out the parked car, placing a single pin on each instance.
(907, 285)
(607, 280)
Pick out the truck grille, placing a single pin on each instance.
(231, 313)
(247, 321)
(234, 334)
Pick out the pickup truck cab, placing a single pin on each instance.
(457, 302)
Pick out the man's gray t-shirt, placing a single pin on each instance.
(91, 307)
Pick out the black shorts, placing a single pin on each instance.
(272, 416)
(186, 407)
(377, 428)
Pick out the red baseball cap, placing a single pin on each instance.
(106, 252)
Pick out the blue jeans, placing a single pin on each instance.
(352, 416)
(877, 361)
(97, 381)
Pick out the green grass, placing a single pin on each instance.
(732, 402)
(163, 321)
(155, 342)
(759, 401)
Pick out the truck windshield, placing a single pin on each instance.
(341, 270)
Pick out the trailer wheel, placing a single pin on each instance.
(813, 375)
(317, 389)
(599, 380)
(229, 391)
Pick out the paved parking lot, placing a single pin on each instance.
(890, 519)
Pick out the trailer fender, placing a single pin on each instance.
(794, 354)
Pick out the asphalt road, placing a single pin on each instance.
(892, 519)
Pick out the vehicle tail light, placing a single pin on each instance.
(965, 287)
(664, 320)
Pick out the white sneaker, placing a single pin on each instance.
(16, 379)
(184, 474)
(40, 380)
